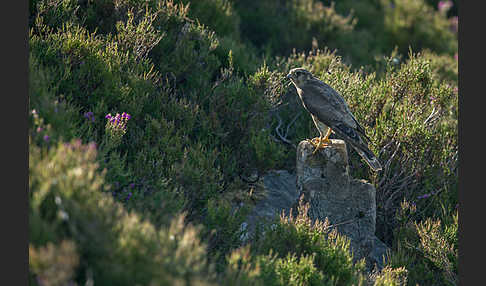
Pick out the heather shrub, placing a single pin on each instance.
(221, 17)
(428, 247)
(279, 27)
(52, 264)
(439, 245)
(445, 68)
(113, 245)
(245, 269)
(222, 230)
(384, 25)
(416, 24)
(310, 251)
(298, 251)
(50, 117)
(391, 277)
(218, 15)
(128, 71)
(202, 102)
(237, 55)
(409, 114)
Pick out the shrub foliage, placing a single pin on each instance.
(155, 198)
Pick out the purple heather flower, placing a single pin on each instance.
(444, 5)
(440, 5)
(108, 116)
(131, 185)
(92, 145)
(423, 196)
(89, 115)
(77, 143)
(46, 137)
(129, 196)
(39, 129)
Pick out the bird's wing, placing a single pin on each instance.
(330, 103)
(329, 107)
(326, 104)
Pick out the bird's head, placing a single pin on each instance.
(299, 76)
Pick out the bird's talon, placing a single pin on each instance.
(322, 146)
(314, 141)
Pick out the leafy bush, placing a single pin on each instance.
(53, 265)
(153, 75)
(416, 24)
(409, 114)
(218, 15)
(113, 245)
(271, 270)
(444, 67)
(385, 25)
(428, 248)
(297, 251)
(308, 251)
(204, 85)
(391, 277)
(278, 27)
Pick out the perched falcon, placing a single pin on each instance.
(330, 113)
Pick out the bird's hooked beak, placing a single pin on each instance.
(289, 77)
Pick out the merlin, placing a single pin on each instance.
(330, 113)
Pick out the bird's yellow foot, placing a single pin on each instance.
(319, 143)
(314, 141)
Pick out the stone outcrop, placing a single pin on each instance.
(323, 179)
(349, 204)
(280, 194)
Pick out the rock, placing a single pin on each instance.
(280, 194)
(349, 204)
(378, 254)
(323, 179)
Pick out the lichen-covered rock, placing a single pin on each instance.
(378, 254)
(349, 204)
(323, 178)
(279, 194)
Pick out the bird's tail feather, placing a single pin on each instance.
(359, 145)
(370, 159)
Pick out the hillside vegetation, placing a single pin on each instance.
(149, 117)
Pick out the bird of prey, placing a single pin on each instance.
(330, 113)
